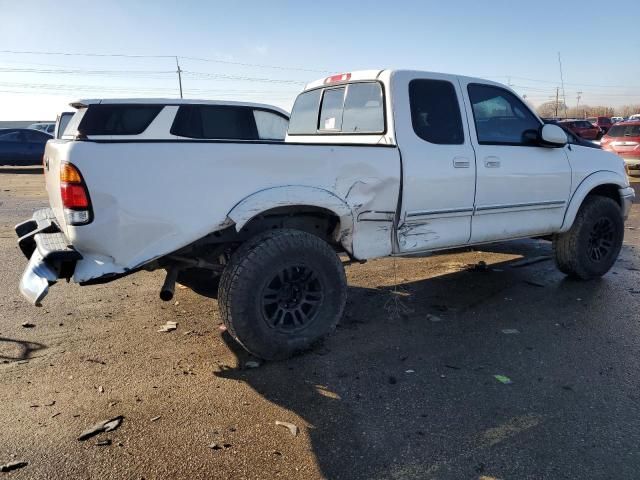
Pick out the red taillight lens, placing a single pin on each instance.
(74, 196)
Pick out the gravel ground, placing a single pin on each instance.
(404, 389)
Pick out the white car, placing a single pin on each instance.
(375, 163)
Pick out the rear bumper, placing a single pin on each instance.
(50, 255)
(626, 196)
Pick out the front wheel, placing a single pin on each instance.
(592, 244)
(282, 291)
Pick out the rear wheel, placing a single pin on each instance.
(592, 244)
(281, 292)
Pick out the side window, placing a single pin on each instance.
(271, 126)
(37, 137)
(435, 112)
(331, 109)
(11, 137)
(500, 117)
(216, 122)
(118, 119)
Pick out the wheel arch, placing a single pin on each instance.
(604, 183)
(292, 199)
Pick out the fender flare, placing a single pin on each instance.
(601, 177)
(295, 195)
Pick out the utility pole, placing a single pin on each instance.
(179, 72)
(578, 103)
(557, 91)
(564, 98)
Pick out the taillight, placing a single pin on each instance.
(75, 196)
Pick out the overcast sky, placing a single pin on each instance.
(266, 51)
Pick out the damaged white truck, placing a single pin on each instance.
(375, 164)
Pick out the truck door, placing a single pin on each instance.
(438, 163)
(522, 188)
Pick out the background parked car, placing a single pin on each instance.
(582, 128)
(624, 139)
(603, 122)
(573, 139)
(47, 127)
(22, 146)
(616, 119)
(634, 117)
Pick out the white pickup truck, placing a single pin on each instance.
(375, 163)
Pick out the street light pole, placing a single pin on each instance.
(179, 72)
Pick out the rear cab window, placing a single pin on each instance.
(347, 109)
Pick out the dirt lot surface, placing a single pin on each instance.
(404, 389)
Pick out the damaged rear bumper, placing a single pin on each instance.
(50, 255)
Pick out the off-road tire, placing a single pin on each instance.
(573, 250)
(250, 276)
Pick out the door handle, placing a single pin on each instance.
(461, 162)
(492, 162)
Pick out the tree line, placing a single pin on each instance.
(560, 109)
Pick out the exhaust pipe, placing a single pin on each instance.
(169, 285)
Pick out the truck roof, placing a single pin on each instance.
(171, 101)
(364, 75)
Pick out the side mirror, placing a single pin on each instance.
(552, 136)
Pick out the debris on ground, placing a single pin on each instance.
(292, 428)
(222, 328)
(530, 261)
(433, 318)
(50, 404)
(251, 364)
(27, 325)
(103, 443)
(534, 283)
(410, 371)
(168, 327)
(100, 389)
(12, 466)
(217, 446)
(95, 360)
(503, 379)
(481, 266)
(155, 419)
(104, 426)
(510, 331)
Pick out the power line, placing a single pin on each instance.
(126, 55)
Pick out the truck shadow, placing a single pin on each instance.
(409, 393)
(15, 350)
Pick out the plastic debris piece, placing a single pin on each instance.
(103, 443)
(510, 331)
(503, 379)
(104, 426)
(155, 419)
(168, 327)
(215, 446)
(13, 466)
(222, 328)
(101, 389)
(251, 364)
(292, 428)
(410, 371)
(433, 318)
(27, 325)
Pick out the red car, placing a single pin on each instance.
(603, 122)
(582, 128)
(623, 138)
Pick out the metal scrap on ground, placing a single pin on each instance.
(12, 466)
(104, 426)
(292, 428)
(168, 327)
